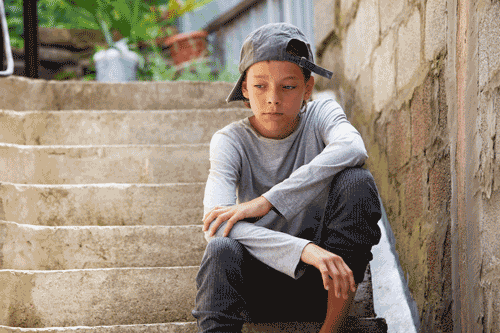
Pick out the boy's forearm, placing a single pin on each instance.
(276, 249)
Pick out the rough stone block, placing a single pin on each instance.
(409, 46)
(331, 60)
(435, 28)
(421, 117)
(489, 43)
(114, 127)
(102, 204)
(20, 94)
(364, 92)
(384, 72)
(94, 297)
(104, 164)
(141, 328)
(440, 184)
(11, 127)
(362, 37)
(490, 257)
(414, 193)
(389, 11)
(123, 96)
(27, 247)
(346, 6)
(324, 19)
(399, 139)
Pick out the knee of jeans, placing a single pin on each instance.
(354, 182)
(224, 250)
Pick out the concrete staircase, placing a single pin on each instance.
(101, 189)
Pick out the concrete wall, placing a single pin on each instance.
(421, 81)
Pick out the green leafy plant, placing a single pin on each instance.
(51, 13)
(131, 18)
(14, 14)
(136, 20)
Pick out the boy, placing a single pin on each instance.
(293, 214)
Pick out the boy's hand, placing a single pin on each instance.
(258, 207)
(331, 266)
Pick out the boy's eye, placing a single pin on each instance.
(290, 87)
(258, 86)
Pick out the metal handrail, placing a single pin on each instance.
(8, 51)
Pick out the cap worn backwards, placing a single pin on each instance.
(271, 42)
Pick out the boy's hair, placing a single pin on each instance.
(296, 48)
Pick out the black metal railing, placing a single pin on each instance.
(31, 59)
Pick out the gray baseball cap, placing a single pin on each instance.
(274, 41)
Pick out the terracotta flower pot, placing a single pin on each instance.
(186, 46)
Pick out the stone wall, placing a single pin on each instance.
(486, 167)
(399, 67)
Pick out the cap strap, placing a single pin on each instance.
(304, 63)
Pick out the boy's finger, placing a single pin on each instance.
(352, 283)
(210, 216)
(336, 282)
(227, 229)
(326, 280)
(230, 223)
(341, 276)
(216, 224)
(207, 220)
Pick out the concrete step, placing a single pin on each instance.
(22, 94)
(189, 327)
(102, 204)
(371, 325)
(114, 127)
(186, 163)
(96, 297)
(27, 247)
(114, 296)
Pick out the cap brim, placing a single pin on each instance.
(236, 94)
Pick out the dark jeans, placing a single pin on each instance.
(234, 287)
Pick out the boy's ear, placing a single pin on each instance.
(244, 89)
(309, 87)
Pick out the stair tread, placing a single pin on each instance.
(27, 247)
(77, 95)
(112, 296)
(95, 297)
(362, 325)
(102, 204)
(105, 164)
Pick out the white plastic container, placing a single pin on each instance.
(117, 64)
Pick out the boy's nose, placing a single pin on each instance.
(273, 97)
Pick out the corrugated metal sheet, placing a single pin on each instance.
(226, 42)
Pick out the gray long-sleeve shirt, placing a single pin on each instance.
(293, 173)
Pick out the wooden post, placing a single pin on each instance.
(31, 61)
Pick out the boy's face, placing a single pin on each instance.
(276, 90)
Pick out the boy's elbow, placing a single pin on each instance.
(360, 150)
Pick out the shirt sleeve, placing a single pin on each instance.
(276, 249)
(224, 173)
(344, 148)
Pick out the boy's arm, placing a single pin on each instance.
(278, 250)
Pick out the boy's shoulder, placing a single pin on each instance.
(234, 127)
(321, 108)
(324, 105)
(234, 131)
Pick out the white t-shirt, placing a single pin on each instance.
(293, 173)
